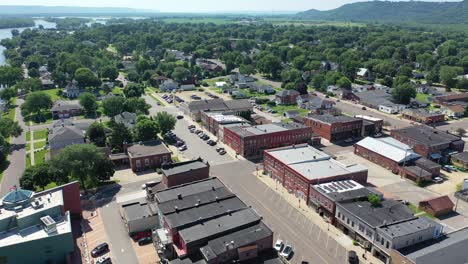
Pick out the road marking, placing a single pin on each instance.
(328, 238)
(336, 250)
(320, 232)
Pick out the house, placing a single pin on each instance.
(262, 88)
(423, 116)
(169, 86)
(297, 167)
(220, 84)
(302, 99)
(452, 110)
(126, 118)
(238, 94)
(286, 97)
(429, 142)
(334, 128)
(438, 206)
(318, 105)
(364, 74)
(250, 141)
(444, 99)
(72, 90)
(235, 107)
(418, 103)
(185, 172)
(147, 155)
(240, 81)
(61, 137)
(460, 160)
(66, 109)
(381, 100)
(384, 227)
(391, 108)
(290, 114)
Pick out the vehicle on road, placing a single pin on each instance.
(183, 148)
(100, 249)
(211, 142)
(144, 241)
(219, 149)
(222, 152)
(353, 257)
(437, 179)
(287, 252)
(180, 116)
(104, 260)
(447, 168)
(279, 245)
(191, 126)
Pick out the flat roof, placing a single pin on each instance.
(389, 148)
(180, 167)
(330, 119)
(219, 226)
(197, 214)
(427, 135)
(248, 130)
(35, 232)
(390, 211)
(421, 112)
(338, 191)
(407, 227)
(417, 171)
(368, 118)
(188, 189)
(223, 119)
(312, 163)
(237, 239)
(137, 210)
(148, 148)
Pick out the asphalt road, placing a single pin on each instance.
(17, 157)
(310, 243)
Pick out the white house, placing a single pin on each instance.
(220, 84)
(392, 108)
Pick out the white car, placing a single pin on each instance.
(183, 148)
(287, 252)
(279, 245)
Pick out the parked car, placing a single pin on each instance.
(222, 152)
(219, 149)
(447, 168)
(205, 137)
(180, 116)
(191, 126)
(104, 260)
(279, 245)
(364, 108)
(287, 252)
(353, 257)
(164, 96)
(437, 179)
(183, 148)
(211, 142)
(145, 240)
(100, 249)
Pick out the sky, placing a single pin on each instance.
(196, 5)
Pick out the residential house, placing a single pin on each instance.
(169, 86)
(66, 109)
(262, 88)
(241, 81)
(364, 74)
(187, 87)
(418, 103)
(46, 77)
(453, 110)
(438, 206)
(147, 155)
(61, 137)
(126, 118)
(460, 160)
(72, 90)
(423, 116)
(381, 100)
(318, 105)
(291, 114)
(303, 98)
(286, 97)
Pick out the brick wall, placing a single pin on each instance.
(186, 177)
(154, 161)
(376, 158)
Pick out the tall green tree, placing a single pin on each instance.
(133, 90)
(36, 102)
(109, 72)
(86, 78)
(448, 75)
(166, 122)
(137, 105)
(29, 85)
(402, 94)
(270, 64)
(120, 134)
(113, 106)
(37, 176)
(7, 94)
(96, 134)
(10, 75)
(145, 129)
(89, 102)
(83, 162)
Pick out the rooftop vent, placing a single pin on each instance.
(50, 226)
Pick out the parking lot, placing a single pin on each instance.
(95, 234)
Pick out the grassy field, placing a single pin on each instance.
(39, 144)
(422, 97)
(11, 110)
(39, 156)
(40, 134)
(53, 94)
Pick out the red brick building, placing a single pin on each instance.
(437, 206)
(287, 97)
(423, 116)
(214, 122)
(251, 141)
(335, 128)
(184, 172)
(444, 99)
(66, 109)
(147, 155)
(429, 142)
(297, 167)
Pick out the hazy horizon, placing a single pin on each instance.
(200, 6)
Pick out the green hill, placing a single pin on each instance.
(394, 12)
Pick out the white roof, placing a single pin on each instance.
(389, 148)
(369, 118)
(220, 83)
(362, 71)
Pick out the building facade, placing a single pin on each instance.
(334, 128)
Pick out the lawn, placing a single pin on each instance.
(39, 144)
(283, 108)
(46, 118)
(54, 94)
(28, 160)
(422, 97)
(11, 110)
(419, 212)
(39, 156)
(28, 136)
(39, 134)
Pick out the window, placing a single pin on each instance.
(388, 245)
(352, 223)
(361, 228)
(339, 214)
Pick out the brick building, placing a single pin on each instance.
(438, 206)
(286, 97)
(444, 99)
(234, 107)
(214, 122)
(143, 155)
(250, 141)
(377, 122)
(423, 116)
(334, 127)
(66, 109)
(297, 167)
(184, 172)
(429, 142)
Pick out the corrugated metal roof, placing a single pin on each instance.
(389, 148)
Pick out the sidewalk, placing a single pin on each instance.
(334, 232)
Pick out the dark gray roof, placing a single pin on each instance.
(137, 210)
(287, 93)
(80, 124)
(188, 189)
(63, 105)
(240, 104)
(418, 171)
(203, 212)
(348, 195)
(204, 105)
(450, 248)
(462, 156)
(180, 167)
(427, 164)
(190, 201)
(330, 119)
(66, 133)
(219, 226)
(237, 239)
(375, 97)
(421, 112)
(408, 227)
(147, 149)
(427, 135)
(390, 211)
(126, 118)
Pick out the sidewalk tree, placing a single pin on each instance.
(9, 128)
(137, 105)
(36, 102)
(29, 85)
(89, 102)
(166, 122)
(83, 162)
(7, 94)
(37, 176)
(97, 134)
(344, 82)
(10, 75)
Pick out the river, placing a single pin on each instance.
(6, 33)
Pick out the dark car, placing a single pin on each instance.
(364, 108)
(211, 142)
(180, 116)
(100, 249)
(104, 260)
(352, 257)
(144, 241)
(222, 152)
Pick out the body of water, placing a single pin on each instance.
(6, 33)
